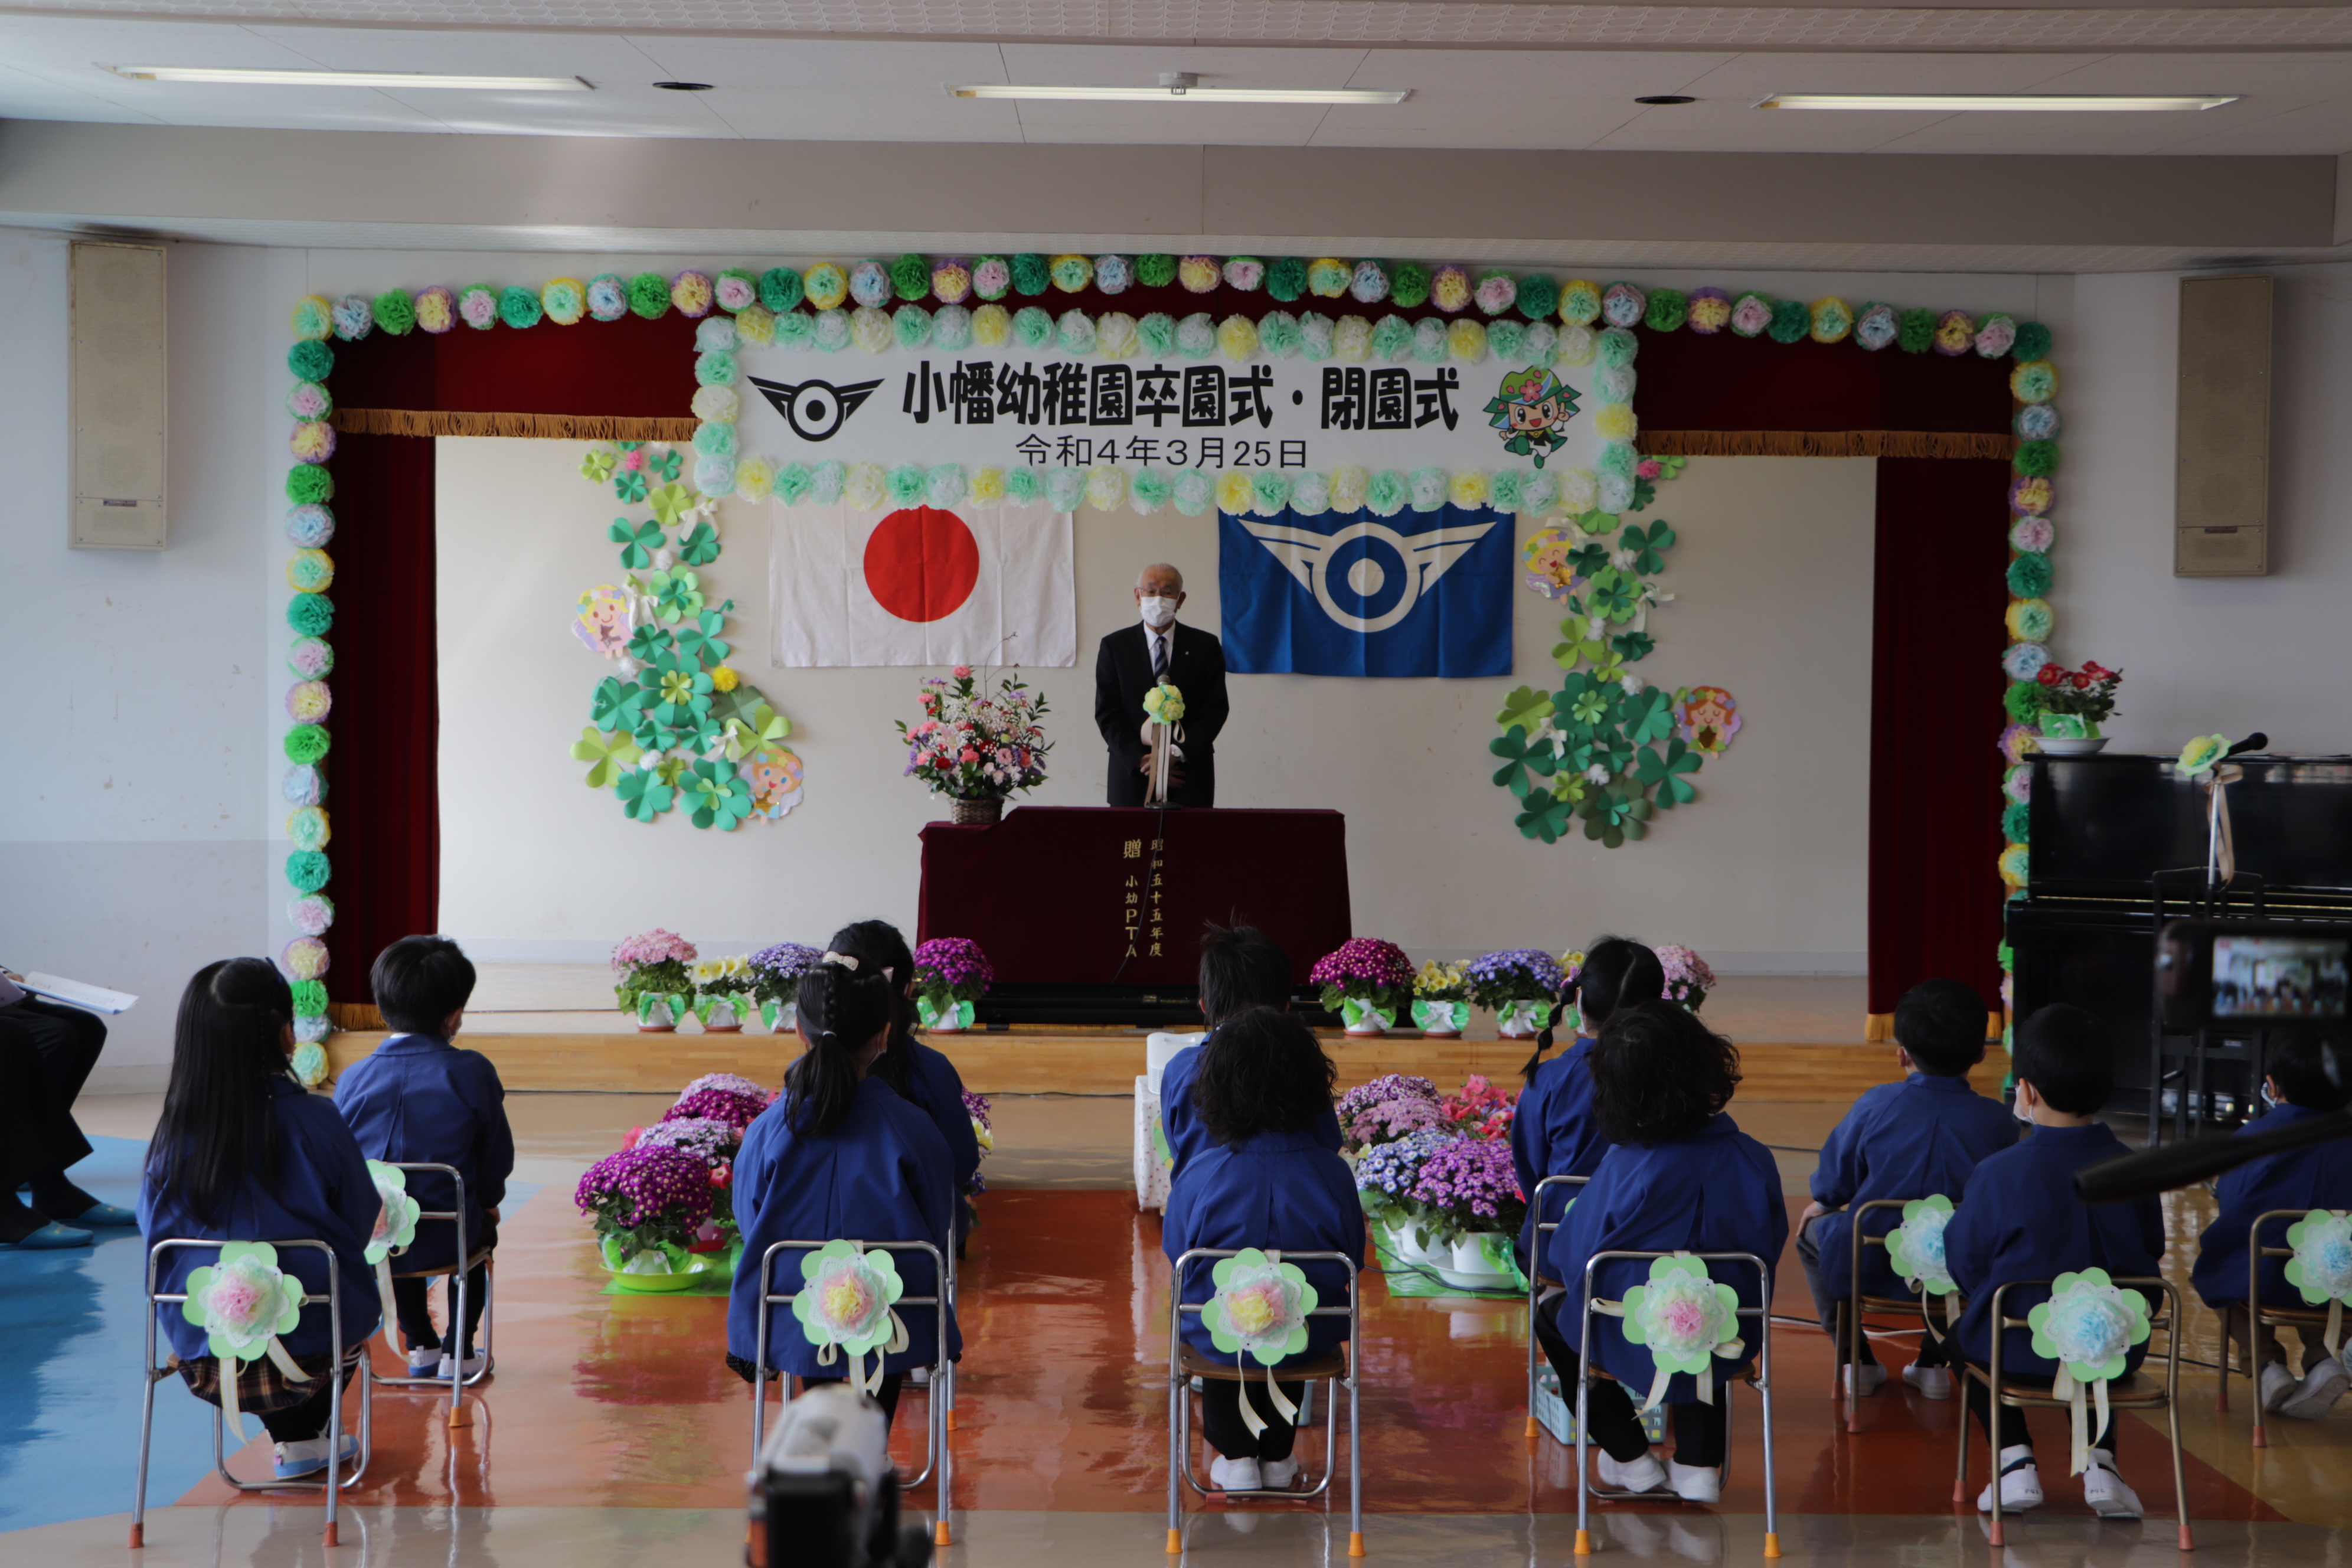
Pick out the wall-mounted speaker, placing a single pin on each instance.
(116, 394)
(2221, 462)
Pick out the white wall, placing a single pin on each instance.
(1767, 870)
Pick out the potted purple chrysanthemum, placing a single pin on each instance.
(1520, 984)
(950, 975)
(648, 1205)
(1367, 981)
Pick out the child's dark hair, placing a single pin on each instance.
(1617, 972)
(419, 981)
(219, 1128)
(879, 945)
(1941, 1023)
(1241, 966)
(2067, 1055)
(841, 1011)
(2299, 1066)
(1658, 1074)
(1262, 1071)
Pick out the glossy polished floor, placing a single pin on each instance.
(612, 1433)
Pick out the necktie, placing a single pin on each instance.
(1158, 659)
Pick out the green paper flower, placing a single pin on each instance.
(2088, 1325)
(2322, 1265)
(644, 795)
(671, 503)
(1260, 1308)
(638, 540)
(663, 466)
(609, 755)
(721, 798)
(396, 1222)
(1668, 772)
(845, 1298)
(699, 546)
(2029, 576)
(1916, 1247)
(312, 614)
(677, 594)
(309, 999)
(306, 743)
(1685, 1317)
(242, 1302)
(307, 871)
(630, 486)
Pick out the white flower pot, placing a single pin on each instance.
(722, 1020)
(1469, 1266)
(1522, 1020)
(1408, 1250)
(656, 1019)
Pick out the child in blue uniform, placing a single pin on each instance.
(920, 1076)
(2022, 1220)
(840, 1157)
(1553, 1132)
(1241, 967)
(1680, 1176)
(2318, 1175)
(1908, 1139)
(1259, 1090)
(420, 1099)
(241, 1154)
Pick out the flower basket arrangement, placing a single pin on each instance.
(951, 973)
(722, 993)
(2071, 704)
(1688, 979)
(1481, 1109)
(650, 1206)
(1367, 981)
(776, 981)
(1441, 999)
(657, 978)
(1521, 984)
(976, 746)
(1393, 1105)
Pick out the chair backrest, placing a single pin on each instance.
(943, 1271)
(454, 1215)
(2146, 1285)
(1179, 1306)
(332, 1298)
(1535, 1200)
(2254, 1243)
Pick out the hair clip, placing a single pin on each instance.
(843, 959)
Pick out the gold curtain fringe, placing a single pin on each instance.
(539, 426)
(354, 1016)
(1824, 444)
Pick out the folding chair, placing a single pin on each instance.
(2259, 1317)
(1851, 1309)
(333, 1301)
(1760, 1380)
(939, 1453)
(2167, 1399)
(1535, 1282)
(457, 1272)
(1339, 1370)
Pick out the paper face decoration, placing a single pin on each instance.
(774, 776)
(1547, 558)
(1707, 717)
(601, 621)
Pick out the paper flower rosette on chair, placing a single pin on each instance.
(1260, 1310)
(847, 1307)
(1686, 1317)
(1916, 1247)
(395, 1230)
(242, 1303)
(2322, 1265)
(2086, 1327)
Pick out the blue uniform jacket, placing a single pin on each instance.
(1181, 1124)
(418, 1098)
(1715, 1191)
(323, 1192)
(1277, 1190)
(1553, 1133)
(937, 1091)
(2022, 1221)
(1901, 1140)
(883, 1175)
(2317, 1176)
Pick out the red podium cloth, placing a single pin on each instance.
(1065, 895)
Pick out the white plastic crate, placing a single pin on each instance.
(1559, 1418)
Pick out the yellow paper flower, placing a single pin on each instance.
(1105, 486)
(1351, 339)
(1710, 314)
(865, 485)
(725, 678)
(1580, 490)
(1577, 345)
(1467, 341)
(1115, 334)
(870, 330)
(1237, 338)
(987, 487)
(1250, 1313)
(2014, 865)
(1349, 484)
(755, 477)
(756, 324)
(1616, 422)
(826, 286)
(563, 308)
(1832, 320)
(1233, 492)
(992, 326)
(314, 317)
(1470, 490)
(1579, 303)
(2200, 755)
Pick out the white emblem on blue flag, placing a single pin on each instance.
(1422, 558)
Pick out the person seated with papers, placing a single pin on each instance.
(47, 1051)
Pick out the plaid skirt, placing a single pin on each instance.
(261, 1388)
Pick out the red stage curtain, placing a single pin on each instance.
(382, 784)
(631, 367)
(1691, 381)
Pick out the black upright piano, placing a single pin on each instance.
(2117, 844)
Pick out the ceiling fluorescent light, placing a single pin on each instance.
(1183, 87)
(237, 75)
(1993, 103)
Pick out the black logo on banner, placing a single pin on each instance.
(816, 409)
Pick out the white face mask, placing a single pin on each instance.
(1158, 612)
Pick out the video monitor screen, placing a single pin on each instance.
(2280, 976)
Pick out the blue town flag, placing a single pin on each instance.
(1422, 593)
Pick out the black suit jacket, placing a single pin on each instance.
(1196, 667)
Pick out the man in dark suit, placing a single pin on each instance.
(1133, 661)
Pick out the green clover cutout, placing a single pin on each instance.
(1260, 1308)
(1590, 708)
(1916, 1247)
(1649, 547)
(672, 770)
(645, 794)
(610, 755)
(1570, 787)
(1667, 772)
(618, 704)
(846, 1298)
(676, 595)
(1584, 637)
(1589, 557)
(1526, 708)
(630, 486)
(649, 642)
(671, 503)
(1645, 492)
(1548, 821)
(1649, 714)
(1596, 522)
(701, 732)
(638, 540)
(2088, 1324)
(597, 467)
(1518, 757)
(242, 1302)
(721, 798)
(1614, 595)
(765, 728)
(2322, 1265)
(1632, 647)
(699, 545)
(1616, 815)
(663, 464)
(701, 641)
(395, 1220)
(683, 690)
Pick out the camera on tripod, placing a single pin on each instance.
(823, 1492)
(2213, 974)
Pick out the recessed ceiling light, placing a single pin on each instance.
(1993, 102)
(1665, 97)
(1183, 87)
(683, 85)
(237, 75)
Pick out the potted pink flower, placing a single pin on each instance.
(1367, 981)
(657, 979)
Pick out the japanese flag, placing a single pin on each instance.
(980, 584)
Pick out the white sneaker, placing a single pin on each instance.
(2105, 1491)
(423, 1359)
(1235, 1475)
(1873, 1378)
(1932, 1381)
(309, 1457)
(2319, 1392)
(1277, 1475)
(2021, 1482)
(1694, 1483)
(1641, 1475)
(920, 1377)
(2277, 1385)
(474, 1364)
